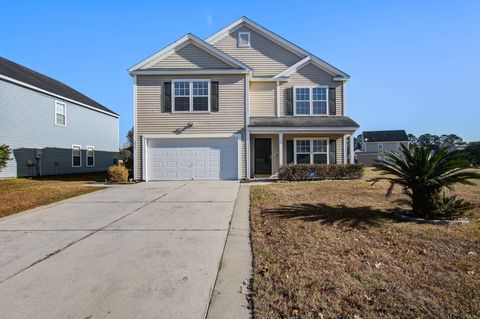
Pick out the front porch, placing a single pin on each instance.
(270, 149)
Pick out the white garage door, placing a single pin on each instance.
(187, 159)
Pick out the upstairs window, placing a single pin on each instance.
(60, 113)
(191, 96)
(311, 151)
(76, 156)
(243, 39)
(90, 155)
(311, 100)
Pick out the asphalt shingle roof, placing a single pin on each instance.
(385, 136)
(303, 121)
(31, 77)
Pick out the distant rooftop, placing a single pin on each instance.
(385, 136)
(23, 74)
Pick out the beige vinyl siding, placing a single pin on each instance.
(263, 99)
(190, 57)
(339, 141)
(311, 75)
(151, 120)
(265, 57)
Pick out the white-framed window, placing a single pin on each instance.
(380, 146)
(60, 113)
(76, 156)
(311, 151)
(90, 156)
(310, 100)
(191, 96)
(243, 39)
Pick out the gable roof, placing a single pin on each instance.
(182, 42)
(294, 67)
(18, 74)
(385, 136)
(277, 39)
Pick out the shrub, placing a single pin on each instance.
(423, 174)
(5, 152)
(118, 174)
(302, 172)
(451, 207)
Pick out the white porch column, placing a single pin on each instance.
(352, 158)
(280, 149)
(345, 150)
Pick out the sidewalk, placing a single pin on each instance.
(229, 297)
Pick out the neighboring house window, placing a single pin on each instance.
(76, 156)
(243, 39)
(311, 100)
(90, 154)
(60, 113)
(380, 146)
(311, 151)
(191, 95)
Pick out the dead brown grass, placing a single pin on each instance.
(19, 194)
(332, 250)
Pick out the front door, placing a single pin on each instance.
(263, 156)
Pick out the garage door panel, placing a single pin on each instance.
(186, 159)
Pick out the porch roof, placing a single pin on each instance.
(337, 122)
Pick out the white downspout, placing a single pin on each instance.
(135, 153)
(277, 92)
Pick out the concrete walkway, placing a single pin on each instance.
(149, 250)
(230, 298)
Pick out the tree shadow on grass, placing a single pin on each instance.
(354, 217)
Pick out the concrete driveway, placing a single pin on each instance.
(150, 250)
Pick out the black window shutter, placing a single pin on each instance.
(289, 100)
(332, 101)
(167, 97)
(290, 152)
(333, 151)
(214, 96)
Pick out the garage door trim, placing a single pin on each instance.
(146, 137)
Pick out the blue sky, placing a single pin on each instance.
(415, 65)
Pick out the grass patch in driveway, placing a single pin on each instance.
(20, 194)
(332, 249)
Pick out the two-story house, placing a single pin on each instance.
(237, 105)
(376, 143)
(52, 128)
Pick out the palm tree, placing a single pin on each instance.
(423, 174)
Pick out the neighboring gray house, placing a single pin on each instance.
(237, 105)
(376, 143)
(52, 128)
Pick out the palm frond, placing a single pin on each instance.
(424, 173)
